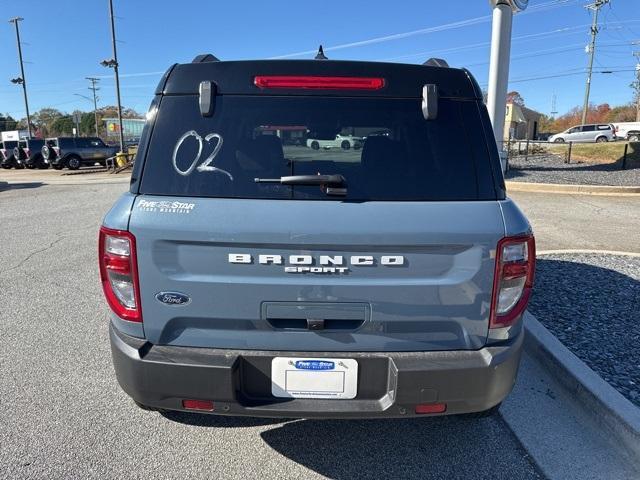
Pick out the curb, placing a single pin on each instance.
(618, 416)
(572, 189)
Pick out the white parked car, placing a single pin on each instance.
(603, 132)
(341, 141)
(628, 131)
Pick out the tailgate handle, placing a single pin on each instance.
(315, 323)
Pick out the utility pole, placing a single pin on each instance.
(595, 6)
(94, 88)
(113, 63)
(22, 79)
(636, 85)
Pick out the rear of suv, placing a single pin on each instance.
(248, 274)
(28, 152)
(73, 152)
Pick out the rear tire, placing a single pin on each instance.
(602, 140)
(634, 137)
(345, 145)
(315, 145)
(73, 162)
(57, 167)
(559, 140)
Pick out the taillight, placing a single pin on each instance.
(315, 82)
(119, 273)
(513, 279)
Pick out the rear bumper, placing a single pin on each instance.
(389, 384)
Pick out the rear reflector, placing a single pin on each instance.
(431, 408)
(324, 83)
(202, 405)
(513, 279)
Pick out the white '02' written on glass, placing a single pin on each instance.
(207, 165)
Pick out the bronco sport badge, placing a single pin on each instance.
(325, 263)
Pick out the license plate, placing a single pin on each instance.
(327, 378)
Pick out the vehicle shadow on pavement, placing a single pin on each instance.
(438, 447)
(19, 186)
(219, 421)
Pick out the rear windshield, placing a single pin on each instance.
(382, 147)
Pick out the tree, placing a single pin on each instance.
(515, 98)
(88, 124)
(622, 113)
(7, 122)
(43, 120)
(62, 126)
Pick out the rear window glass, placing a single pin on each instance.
(384, 149)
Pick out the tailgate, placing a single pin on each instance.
(316, 275)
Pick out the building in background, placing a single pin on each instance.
(13, 135)
(521, 123)
(132, 128)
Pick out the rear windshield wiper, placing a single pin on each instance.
(334, 184)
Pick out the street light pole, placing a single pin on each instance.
(15, 21)
(595, 6)
(94, 88)
(115, 69)
(499, 65)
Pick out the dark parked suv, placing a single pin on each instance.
(73, 152)
(251, 276)
(29, 153)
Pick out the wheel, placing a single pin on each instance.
(634, 137)
(485, 413)
(602, 139)
(73, 162)
(315, 145)
(559, 140)
(6, 166)
(58, 166)
(38, 162)
(345, 145)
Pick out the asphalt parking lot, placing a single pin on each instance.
(62, 414)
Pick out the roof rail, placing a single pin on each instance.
(436, 62)
(205, 57)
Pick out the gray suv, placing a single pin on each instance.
(248, 274)
(602, 132)
(73, 152)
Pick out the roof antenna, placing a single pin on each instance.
(320, 55)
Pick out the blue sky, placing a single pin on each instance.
(64, 41)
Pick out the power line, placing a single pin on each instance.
(423, 31)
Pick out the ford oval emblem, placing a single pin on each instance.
(173, 298)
